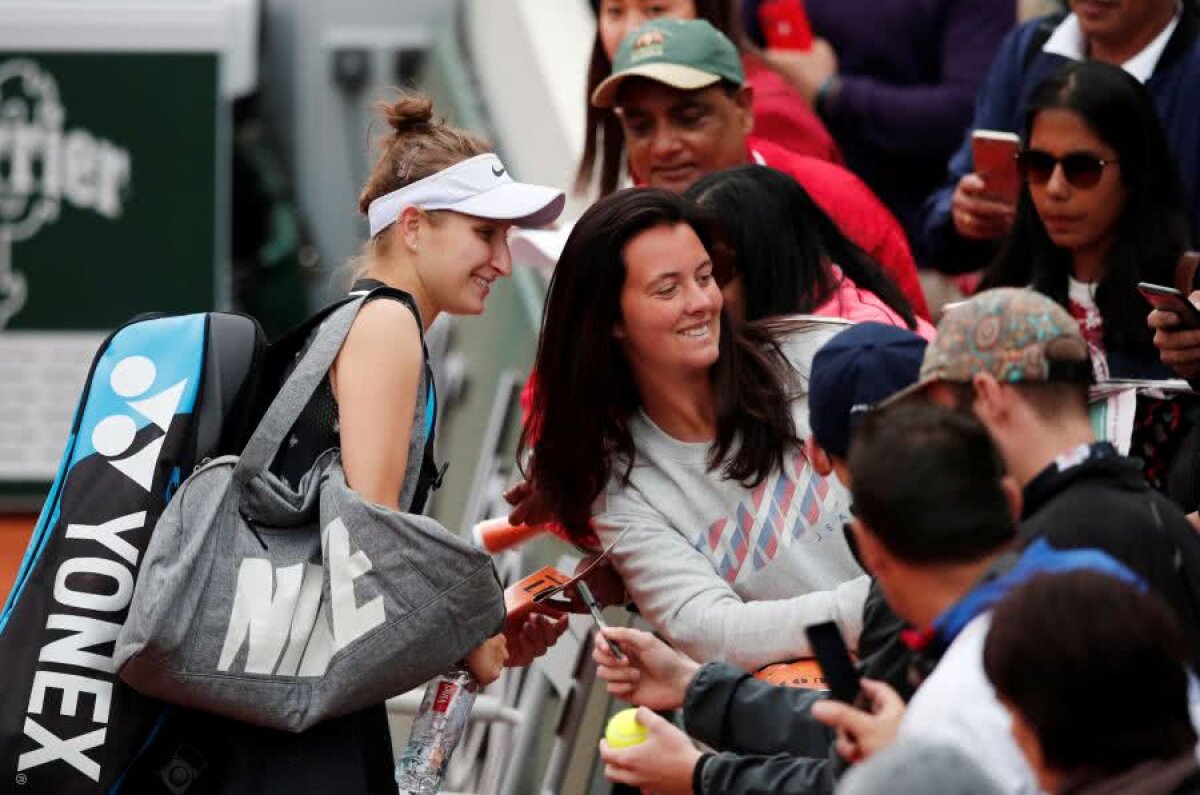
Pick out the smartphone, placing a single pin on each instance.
(1168, 299)
(995, 154)
(785, 25)
(830, 650)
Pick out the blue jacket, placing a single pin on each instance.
(1019, 67)
(1038, 558)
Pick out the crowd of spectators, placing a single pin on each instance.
(768, 432)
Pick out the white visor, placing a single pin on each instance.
(479, 186)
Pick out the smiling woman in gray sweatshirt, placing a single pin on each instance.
(683, 438)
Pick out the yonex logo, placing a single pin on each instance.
(113, 436)
(88, 591)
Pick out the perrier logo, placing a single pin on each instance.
(42, 165)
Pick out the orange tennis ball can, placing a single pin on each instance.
(623, 729)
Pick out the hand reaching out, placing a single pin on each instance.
(528, 506)
(532, 638)
(652, 674)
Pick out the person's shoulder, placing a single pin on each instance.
(384, 333)
(389, 312)
(799, 166)
(1020, 47)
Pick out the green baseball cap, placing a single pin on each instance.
(683, 53)
(1018, 336)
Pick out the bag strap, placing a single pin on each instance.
(299, 388)
(1185, 272)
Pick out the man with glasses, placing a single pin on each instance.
(1156, 41)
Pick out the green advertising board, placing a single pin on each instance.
(111, 204)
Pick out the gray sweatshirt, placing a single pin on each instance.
(727, 573)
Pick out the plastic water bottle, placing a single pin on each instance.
(436, 731)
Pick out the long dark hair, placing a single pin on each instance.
(603, 137)
(586, 392)
(784, 244)
(1152, 232)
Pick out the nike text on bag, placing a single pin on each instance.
(156, 401)
(284, 606)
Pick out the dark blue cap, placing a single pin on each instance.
(853, 372)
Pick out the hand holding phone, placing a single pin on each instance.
(830, 650)
(785, 25)
(865, 728)
(1168, 299)
(995, 156)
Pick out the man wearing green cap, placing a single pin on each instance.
(679, 90)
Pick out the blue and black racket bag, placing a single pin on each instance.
(164, 393)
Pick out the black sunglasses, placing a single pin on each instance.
(1081, 169)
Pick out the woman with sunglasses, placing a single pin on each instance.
(1101, 210)
(678, 435)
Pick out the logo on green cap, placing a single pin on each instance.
(651, 44)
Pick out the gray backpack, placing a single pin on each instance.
(283, 606)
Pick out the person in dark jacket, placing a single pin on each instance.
(1157, 41)
(1018, 361)
(1061, 639)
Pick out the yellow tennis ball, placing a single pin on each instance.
(623, 729)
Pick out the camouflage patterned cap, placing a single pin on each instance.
(1015, 335)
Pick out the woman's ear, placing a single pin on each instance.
(618, 330)
(408, 227)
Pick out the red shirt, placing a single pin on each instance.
(783, 117)
(854, 208)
